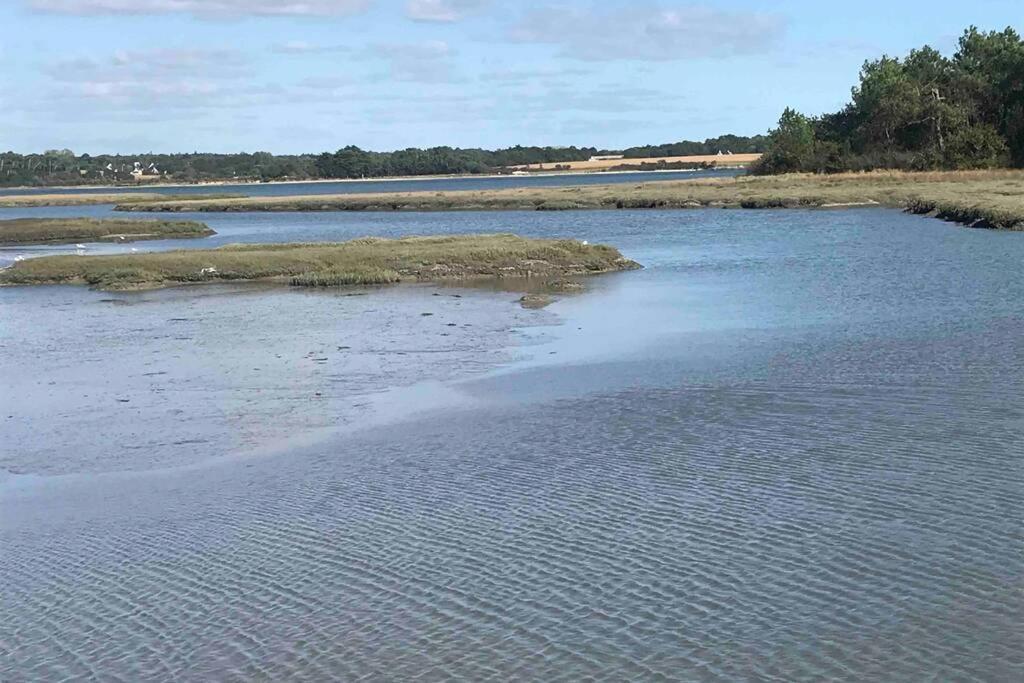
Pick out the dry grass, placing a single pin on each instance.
(983, 198)
(605, 164)
(76, 199)
(362, 261)
(68, 230)
(13, 201)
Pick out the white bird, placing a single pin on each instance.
(19, 258)
(80, 247)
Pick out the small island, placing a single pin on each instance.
(365, 261)
(20, 231)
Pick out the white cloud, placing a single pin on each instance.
(204, 8)
(429, 62)
(152, 64)
(650, 32)
(144, 79)
(301, 47)
(442, 10)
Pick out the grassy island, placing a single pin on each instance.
(979, 198)
(14, 201)
(362, 261)
(70, 230)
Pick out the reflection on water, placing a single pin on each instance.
(789, 449)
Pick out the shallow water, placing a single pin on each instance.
(789, 449)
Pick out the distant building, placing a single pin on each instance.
(607, 157)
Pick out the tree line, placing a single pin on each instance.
(64, 167)
(924, 111)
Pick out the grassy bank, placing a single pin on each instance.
(981, 198)
(14, 201)
(70, 230)
(362, 261)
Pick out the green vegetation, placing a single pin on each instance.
(65, 230)
(922, 112)
(362, 261)
(64, 167)
(982, 198)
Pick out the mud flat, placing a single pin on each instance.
(990, 199)
(357, 262)
(70, 230)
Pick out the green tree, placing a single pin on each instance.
(791, 146)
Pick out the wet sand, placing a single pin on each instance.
(168, 378)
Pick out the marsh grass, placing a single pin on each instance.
(362, 261)
(67, 230)
(86, 198)
(982, 198)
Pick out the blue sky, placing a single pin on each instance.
(313, 75)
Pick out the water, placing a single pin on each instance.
(411, 185)
(789, 449)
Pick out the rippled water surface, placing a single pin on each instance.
(789, 449)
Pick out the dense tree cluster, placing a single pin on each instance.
(924, 111)
(737, 144)
(63, 167)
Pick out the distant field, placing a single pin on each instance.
(605, 164)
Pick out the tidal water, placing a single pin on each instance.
(789, 449)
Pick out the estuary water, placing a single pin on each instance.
(791, 448)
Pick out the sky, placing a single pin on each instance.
(291, 76)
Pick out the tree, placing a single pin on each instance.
(791, 146)
(992, 65)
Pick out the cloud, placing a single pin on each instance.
(650, 32)
(204, 8)
(301, 47)
(146, 79)
(154, 65)
(429, 62)
(442, 10)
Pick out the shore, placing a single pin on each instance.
(318, 181)
(20, 231)
(17, 201)
(992, 199)
(357, 262)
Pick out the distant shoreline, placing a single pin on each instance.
(243, 183)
